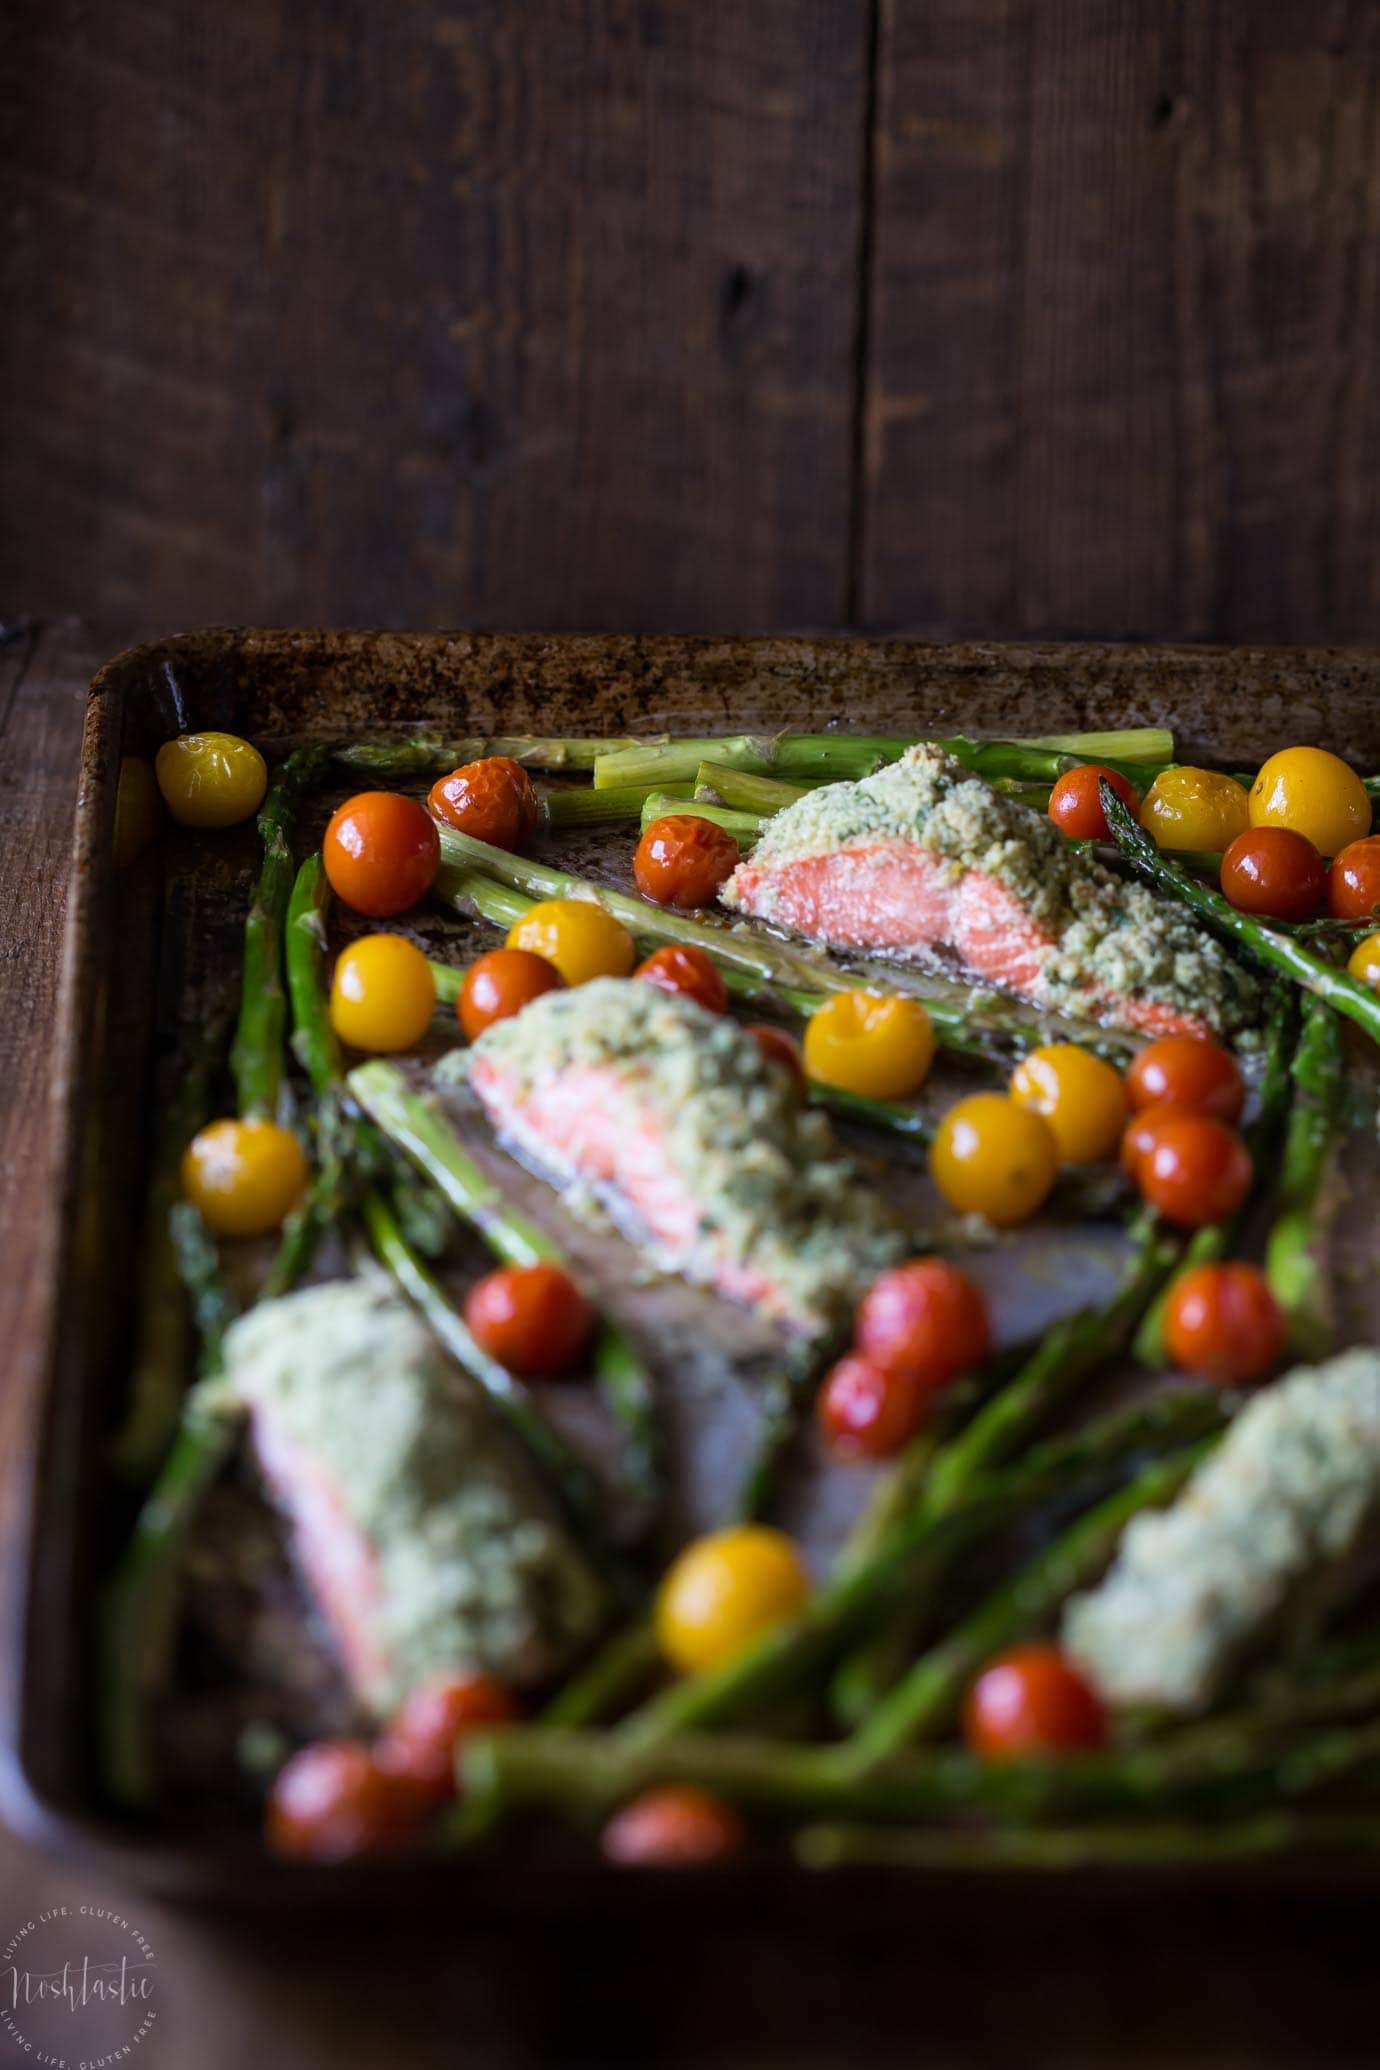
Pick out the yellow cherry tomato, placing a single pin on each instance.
(578, 936)
(211, 779)
(137, 809)
(725, 1590)
(993, 1157)
(383, 994)
(1313, 793)
(244, 1176)
(1194, 808)
(1081, 1097)
(1364, 961)
(865, 1042)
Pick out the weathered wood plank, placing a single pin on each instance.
(539, 314)
(1123, 326)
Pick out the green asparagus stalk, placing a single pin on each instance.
(587, 807)
(620, 1671)
(256, 1057)
(744, 826)
(416, 1125)
(834, 756)
(1086, 1847)
(404, 761)
(1276, 951)
(1295, 1260)
(739, 788)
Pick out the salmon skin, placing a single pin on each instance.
(923, 855)
(692, 1140)
(423, 1540)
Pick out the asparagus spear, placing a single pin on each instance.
(1086, 1847)
(256, 1057)
(401, 761)
(621, 1669)
(415, 1124)
(744, 826)
(1276, 951)
(763, 795)
(588, 807)
(833, 756)
(1295, 1263)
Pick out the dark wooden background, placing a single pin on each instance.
(981, 316)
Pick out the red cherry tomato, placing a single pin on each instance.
(1075, 803)
(779, 1047)
(421, 1741)
(532, 1318)
(1223, 1321)
(866, 1412)
(1032, 1701)
(1187, 1071)
(1195, 1170)
(381, 853)
(1141, 1132)
(1273, 871)
(492, 801)
(682, 861)
(671, 1827)
(678, 968)
(500, 984)
(334, 1800)
(924, 1317)
(1353, 882)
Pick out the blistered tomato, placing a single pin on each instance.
(578, 936)
(1275, 872)
(1032, 1701)
(867, 1412)
(673, 1827)
(1353, 882)
(1075, 803)
(1223, 1321)
(1364, 961)
(499, 984)
(1188, 808)
(680, 967)
(334, 1800)
(244, 1176)
(924, 1317)
(532, 1318)
(492, 801)
(381, 853)
(992, 1157)
(420, 1742)
(1080, 1096)
(211, 779)
(1194, 1170)
(1187, 1071)
(383, 994)
(724, 1591)
(878, 1044)
(778, 1046)
(1313, 793)
(682, 860)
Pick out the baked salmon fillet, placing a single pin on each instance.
(922, 855)
(695, 1144)
(423, 1541)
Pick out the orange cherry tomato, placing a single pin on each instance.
(1032, 1701)
(866, 1412)
(778, 1046)
(381, 853)
(334, 1800)
(1223, 1321)
(1141, 1132)
(682, 861)
(1187, 1071)
(1195, 1170)
(672, 1827)
(923, 1317)
(532, 1318)
(682, 968)
(500, 984)
(1274, 871)
(492, 801)
(1353, 882)
(421, 1741)
(1075, 803)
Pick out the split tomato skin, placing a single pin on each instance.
(420, 1743)
(381, 853)
(532, 1318)
(680, 967)
(1273, 872)
(682, 860)
(677, 1826)
(869, 1412)
(1195, 1170)
(334, 1801)
(492, 800)
(499, 984)
(1031, 1701)
(924, 1317)
(1075, 803)
(1224, 1322)
(1187, 1071)
(1353, 882)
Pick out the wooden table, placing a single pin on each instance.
(1233, 1988)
